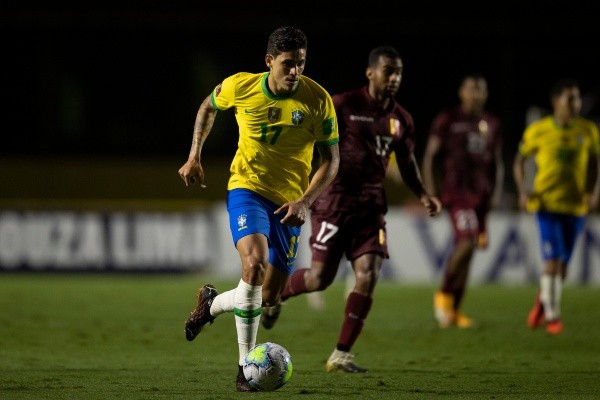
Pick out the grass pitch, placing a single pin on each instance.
(96, 336)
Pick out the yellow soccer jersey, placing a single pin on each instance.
(561, 156)
(277, 134)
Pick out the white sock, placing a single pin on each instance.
(247, 308)
(558, 287)
(222, 303)
(551, 288)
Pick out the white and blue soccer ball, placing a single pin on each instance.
(268, 366)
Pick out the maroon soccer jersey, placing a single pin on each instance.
(467, 155)
(368, 135)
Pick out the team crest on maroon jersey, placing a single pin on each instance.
(297, 117)
(274, 114)
(394, 127)
(483, 127)
(382, 238)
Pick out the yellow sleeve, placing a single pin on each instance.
(223, 95)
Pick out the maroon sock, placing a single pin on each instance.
(458, 296)
(295, 285)
(452, 285)
(357, 308)
(448, 282)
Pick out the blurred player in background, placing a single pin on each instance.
(465, 144)
(282, 115)
(348, 218)
(566, 187)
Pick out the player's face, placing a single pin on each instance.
(473, 94)
(568, 104)
(285, 70)
(386, 76)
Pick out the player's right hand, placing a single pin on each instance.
(191, 172)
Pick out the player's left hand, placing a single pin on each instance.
(432, 204)
(592, 202)
(296, 213)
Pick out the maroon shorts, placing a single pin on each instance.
(335, 234)
(468, 222)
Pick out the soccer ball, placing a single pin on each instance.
(268, 366)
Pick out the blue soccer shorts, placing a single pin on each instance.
(558, 235)
(251, 213)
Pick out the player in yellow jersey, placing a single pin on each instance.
(565, 148)
(282, 115)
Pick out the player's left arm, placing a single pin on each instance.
(593, 172)
(499, 176)
(297, 211)
(594, 178)
(409, 169)
(325, 173)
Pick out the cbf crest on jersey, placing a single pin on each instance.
(297, 117)
(274, 114)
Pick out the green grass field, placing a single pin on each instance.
(95, 336)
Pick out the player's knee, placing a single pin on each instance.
(367, 277)
(322, 285)
(465, 247)
(256, 263)
(253, 271)
(318, 282)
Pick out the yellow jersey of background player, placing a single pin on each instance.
(561, 156)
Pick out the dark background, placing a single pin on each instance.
(124, 81)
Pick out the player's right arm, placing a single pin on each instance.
(519, 178)
(191, 172)
(434, 144)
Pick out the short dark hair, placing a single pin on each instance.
(475, 75)
(286, 38)
(559, 86)
(383, 50)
